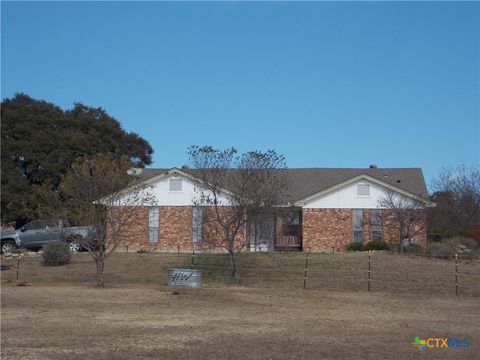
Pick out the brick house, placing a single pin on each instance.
(327, 208)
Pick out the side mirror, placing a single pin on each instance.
(22, 229)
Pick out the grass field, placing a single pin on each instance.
(266, 315)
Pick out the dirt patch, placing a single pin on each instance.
(79, 322)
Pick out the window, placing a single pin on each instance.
(197, 224)
(363, 190)
(377, 222)
(41, 224)
(291, 224)
(153, 224)
(175, 185)
(37, 224)
(357, 225)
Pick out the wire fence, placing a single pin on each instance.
(369, 271)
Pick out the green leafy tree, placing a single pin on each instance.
(40, 142)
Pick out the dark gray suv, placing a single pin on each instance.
(36, 234)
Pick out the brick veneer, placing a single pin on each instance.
(175, 231)
(323, 230)
(392, 233)
(175, 228)
(326, 229)
(135, 228)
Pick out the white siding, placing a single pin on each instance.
(160, 190)
(347, 198)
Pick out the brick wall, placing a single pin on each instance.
(392, 231)
(175, 231)
(175, 228)
(213, 233)
(326, 229)
(322, 230)
(134, 229)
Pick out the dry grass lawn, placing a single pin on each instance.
(59, 315)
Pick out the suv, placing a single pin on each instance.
(36, 234)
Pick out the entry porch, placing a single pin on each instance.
(276, 230)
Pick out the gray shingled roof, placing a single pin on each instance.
(308, 181)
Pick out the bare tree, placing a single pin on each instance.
(456, 190)
(404, 215)
(99, 194)
(234, 188)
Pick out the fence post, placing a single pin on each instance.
(18, 268)
(456, 274)
(193, 256)
(306, 271)
(369, 267)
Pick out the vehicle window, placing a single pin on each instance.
(51, 223)
(33, 225)
(41, 224)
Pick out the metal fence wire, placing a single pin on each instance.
(369, 271)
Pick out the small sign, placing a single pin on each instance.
(191, 278)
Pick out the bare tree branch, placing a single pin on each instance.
(234, 188)
(405, 215)
(98, 190)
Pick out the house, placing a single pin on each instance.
(327, 209)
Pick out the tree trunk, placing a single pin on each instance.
(400, 249)
(233, 267)
(100, 266)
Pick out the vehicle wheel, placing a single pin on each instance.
(8, 247)
(74, 246)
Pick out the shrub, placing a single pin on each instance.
(377, 245)
(355, 247)
(444, 249)
(56, 253)
(413, 248)
(145, 250)
(469, 243)
(465, 247)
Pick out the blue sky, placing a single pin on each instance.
(327, 84)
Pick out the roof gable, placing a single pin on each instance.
(355, 179)
(307, 182)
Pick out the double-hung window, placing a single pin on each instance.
(377, 222)
(197, 224)
(357, 225)
(153, 224)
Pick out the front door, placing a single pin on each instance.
(262, 233)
